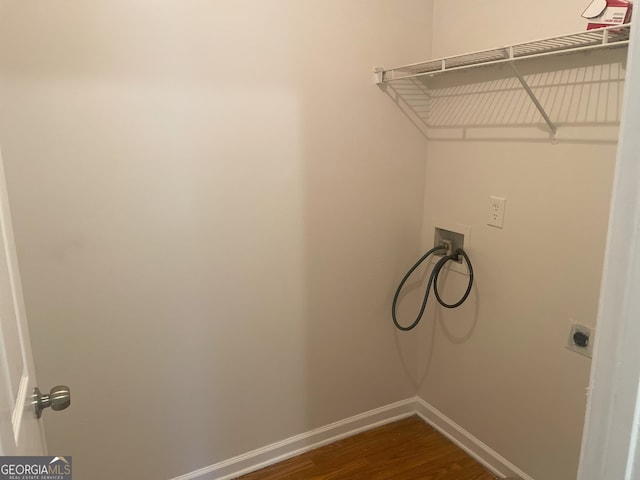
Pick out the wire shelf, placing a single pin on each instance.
(609, 37)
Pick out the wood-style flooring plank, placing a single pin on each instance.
(405, 450)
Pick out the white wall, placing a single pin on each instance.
(498, 366)
(212, 201)
(468, 26)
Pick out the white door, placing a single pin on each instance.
(21, 432)
(611, 439)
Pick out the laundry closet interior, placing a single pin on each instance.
(214, 202)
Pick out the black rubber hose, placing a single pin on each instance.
(403, 281)
(433, 279)
(458, 251)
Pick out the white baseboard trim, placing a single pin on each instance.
(482, 453)
(290, 447)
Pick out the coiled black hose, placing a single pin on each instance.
(433, 280)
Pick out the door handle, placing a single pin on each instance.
(58, 398)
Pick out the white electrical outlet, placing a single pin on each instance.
(496, 211)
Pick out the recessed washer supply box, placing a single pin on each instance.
(607, 13)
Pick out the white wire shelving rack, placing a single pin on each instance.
(597, 39)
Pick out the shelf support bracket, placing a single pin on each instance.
(379, 75)
(536, 102)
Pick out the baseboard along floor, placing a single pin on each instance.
(408, 449)
(421, 413)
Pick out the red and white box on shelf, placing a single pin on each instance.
(607, 13)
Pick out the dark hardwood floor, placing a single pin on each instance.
(405, 450)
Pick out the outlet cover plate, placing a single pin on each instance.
(497, 206)
(589, 331)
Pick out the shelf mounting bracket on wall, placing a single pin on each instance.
(536, 102)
